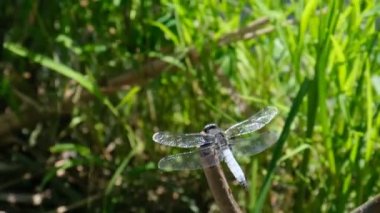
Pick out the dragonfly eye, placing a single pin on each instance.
(209, 126)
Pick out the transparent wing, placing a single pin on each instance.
(197, 159)
(182, 140)
(253, 123)
(253, 145)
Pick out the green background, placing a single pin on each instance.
(85, 84)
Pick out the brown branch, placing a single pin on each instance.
(371, 206)
(218, 185)
(139, 76)
(146, 72)
(24, 198)
(78, 204)
(157, 66)
(238, 35)
(10, 121)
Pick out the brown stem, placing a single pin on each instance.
(241, 33)
(219, 186)
(370, 206)
(78, 204)
(10, 121)
(155, 67)
(24, 198)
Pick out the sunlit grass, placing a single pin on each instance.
(318, 63)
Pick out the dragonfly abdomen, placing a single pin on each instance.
(234, 167)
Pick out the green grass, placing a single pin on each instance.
(319, 64)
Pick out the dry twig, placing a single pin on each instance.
(148, 71)
(219, 186)
(371, 206)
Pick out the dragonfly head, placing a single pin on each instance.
(208, 127)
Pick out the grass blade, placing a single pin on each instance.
(280, 144)
(62, 69)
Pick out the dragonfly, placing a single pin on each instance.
(213, 145)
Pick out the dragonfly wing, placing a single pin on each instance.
(196, 159)
(253, 123)
(254, 145)
(182, 140)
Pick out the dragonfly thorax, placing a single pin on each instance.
(217, 133)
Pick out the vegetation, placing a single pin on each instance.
(85, 84)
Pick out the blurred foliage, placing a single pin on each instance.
(85, 84)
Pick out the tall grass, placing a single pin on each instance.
(318, 63)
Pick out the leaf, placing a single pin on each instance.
(47, 62)
(167, 32)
